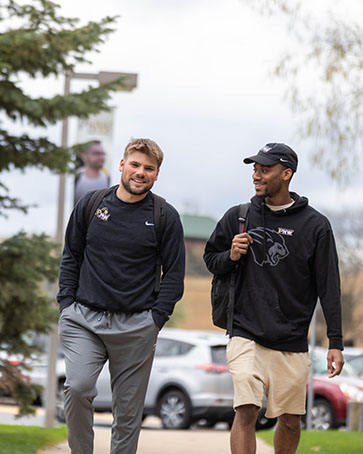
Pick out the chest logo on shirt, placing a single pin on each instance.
(103, 214)
(284, 231)
(268, 246)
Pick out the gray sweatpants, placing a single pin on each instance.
(88, 340)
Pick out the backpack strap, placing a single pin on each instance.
(242, 227)
(159, 223)
(242, 216)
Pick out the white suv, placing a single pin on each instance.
(189, 381)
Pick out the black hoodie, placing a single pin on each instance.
(291, 263)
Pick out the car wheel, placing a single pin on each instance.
(263, 422)
(322, 416)
(174, 410)
(210, 423)
(60, 402)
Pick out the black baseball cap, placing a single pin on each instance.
(275, 153)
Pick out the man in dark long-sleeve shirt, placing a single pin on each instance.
(110, 308)
(284, 262)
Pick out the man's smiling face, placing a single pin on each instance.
(139, 173)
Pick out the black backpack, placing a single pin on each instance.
(159, 222)
(223, 285)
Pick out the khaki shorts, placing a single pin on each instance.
(282, 375)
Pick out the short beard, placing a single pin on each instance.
(127, 187)
(262, 196)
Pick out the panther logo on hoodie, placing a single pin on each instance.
(274, 250)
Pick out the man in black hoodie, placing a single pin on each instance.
(286, 260)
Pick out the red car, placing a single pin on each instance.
(330, 404)
(331, 395)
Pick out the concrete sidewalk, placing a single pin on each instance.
(153, 439)
(157, 441)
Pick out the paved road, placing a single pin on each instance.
(153, 439)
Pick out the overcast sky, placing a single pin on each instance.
(205, 94)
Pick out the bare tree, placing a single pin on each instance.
(348, 226)
(323, 67)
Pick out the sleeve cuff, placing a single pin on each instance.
(158, 319)
(65, 302)
(336, 344)
(230, 264)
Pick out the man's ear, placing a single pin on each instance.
(121, 166)
(287, 174)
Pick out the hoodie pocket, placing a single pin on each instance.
(262, 315)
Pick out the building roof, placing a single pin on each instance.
(197, 227)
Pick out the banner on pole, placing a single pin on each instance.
(96, 161)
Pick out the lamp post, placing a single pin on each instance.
(128, 84)
(310, 397)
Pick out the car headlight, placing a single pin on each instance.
(352, 392)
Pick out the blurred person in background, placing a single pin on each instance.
(91, 175)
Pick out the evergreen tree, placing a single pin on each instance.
(36, 41)
(25, 308)
(43, 44)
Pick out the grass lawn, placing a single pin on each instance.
(324, 442)
(28, 439)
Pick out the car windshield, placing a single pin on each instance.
(357, 363)
(172, 347)
(219, 354)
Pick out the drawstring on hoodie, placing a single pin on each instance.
(264, 231)
(108, 315)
